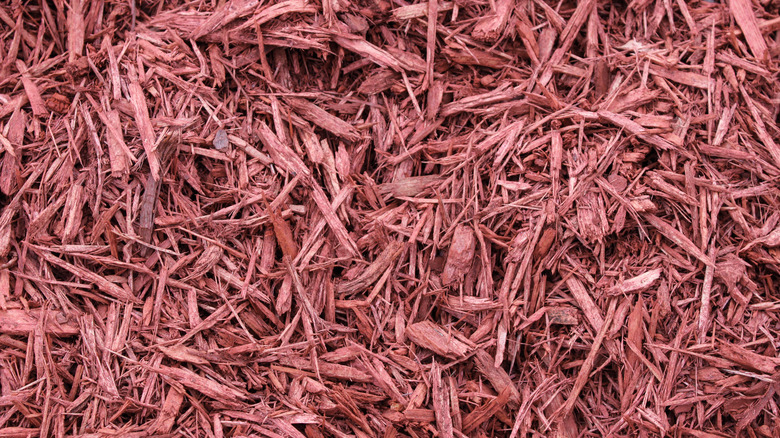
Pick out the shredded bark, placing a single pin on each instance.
(352, 218)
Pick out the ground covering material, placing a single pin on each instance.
(521, 218)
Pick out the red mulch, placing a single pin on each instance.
(470, 218)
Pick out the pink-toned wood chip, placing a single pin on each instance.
(76, 28)
(102, 283)
(10, 162)
(437, 339)
(334, 371)
(32, 91)
(205, 386)
(169, 411)
(677, 237)
(489, 28)
(323, 119)
(563, 315)
(441, 403)
(143, 123)
(498, 377)
(586, 303)
(748, 358)
(374, 271)
(23, 322)
(636, 284)
(481, 414)
(460, 256)
(742, 10)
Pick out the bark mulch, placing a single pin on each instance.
(374, 218)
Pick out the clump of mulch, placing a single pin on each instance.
(340, 218)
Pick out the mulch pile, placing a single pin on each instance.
(469, 218)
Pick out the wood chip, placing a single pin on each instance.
(460, 256)
(742, 10)
(437, 339)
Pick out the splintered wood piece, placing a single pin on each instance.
(760, 128)
(460, 256)
(410, 186)
(375, 270)
(636, 284)
(482, 413)
(23, 322)
(75, 30)
(10, 210)
(490, 28)
(143, 123)
(567, 37)
(73, 211)
(635, 342)
(90, 335)
(497, 376)
(584, 373)
(19, 432)
(224, 16)
(677, 237)
(183, 354)
(284, 234)
(636, 129)
(742, 10)
(376, 54)
(289, 160)
(747, 358)
(418, 10)
(441, 341)
(32, 91)
(441, 403)
(562, 315)
(148, 205)
(169, 411)
(117, 149)
(586, 303)
(334, 371)
(205, 386)
(104, 285)
(682, 77)
(9, 165)
(323, 119)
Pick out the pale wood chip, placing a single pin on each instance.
(437, 339)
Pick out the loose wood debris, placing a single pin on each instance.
(314, 218)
